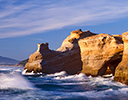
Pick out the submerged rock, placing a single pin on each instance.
(93, 54)
(121, 73)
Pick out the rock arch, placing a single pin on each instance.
(110, 66)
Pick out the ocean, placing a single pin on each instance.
(58, 86)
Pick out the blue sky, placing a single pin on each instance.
(25, 23)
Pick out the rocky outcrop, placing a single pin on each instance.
(99, 53)
(66, 58)
(22, 63)
(121, 73)
(93, 54)
(40, 57)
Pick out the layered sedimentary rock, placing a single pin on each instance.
(121, 73)
(66, 58)
(99, 53)
(88, 52)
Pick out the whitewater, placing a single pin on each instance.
(14, 85)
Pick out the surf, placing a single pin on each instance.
(60, 85)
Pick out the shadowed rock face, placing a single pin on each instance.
(40, 58)
(121, 73)
(66, 58)
(81, 51)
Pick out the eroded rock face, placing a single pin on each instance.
(100, 52)
(66, 58)
(35, 59)
(121, 73)
(81, 51)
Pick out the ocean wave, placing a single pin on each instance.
(64, 76)
(97, 81)
(59, 86)
(18, 70)
(97, 95)
(14, 81)
(76, 77)
(31, 74)
(62, 73)
(10, 69)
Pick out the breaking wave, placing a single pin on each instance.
(14, 81)
(58, 86)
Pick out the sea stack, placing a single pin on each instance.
(100, 54)
(66, 58)
(82, 51)
(121, 73)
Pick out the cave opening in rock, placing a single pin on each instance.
(109, 67)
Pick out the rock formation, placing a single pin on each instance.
(66, 58)
(121, 73)
(99, 53)
(22, 63)
(93, 54)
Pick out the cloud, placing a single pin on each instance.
(38, 39)
(25, 17)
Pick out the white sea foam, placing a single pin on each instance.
(76, 77)
(124, 90)
(24, 71)
(31, 73)
(3, 69)
(104, 81)
(83, 79)
(18, 70)
(91, 87)
(9, 69)
(14, 81)
(62, 73)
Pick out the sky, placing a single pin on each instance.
(25, 23)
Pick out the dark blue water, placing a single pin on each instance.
(58, 86)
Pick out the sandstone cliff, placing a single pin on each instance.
(121, 73)
(93, 54)
(99, 53)
(66, 58)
